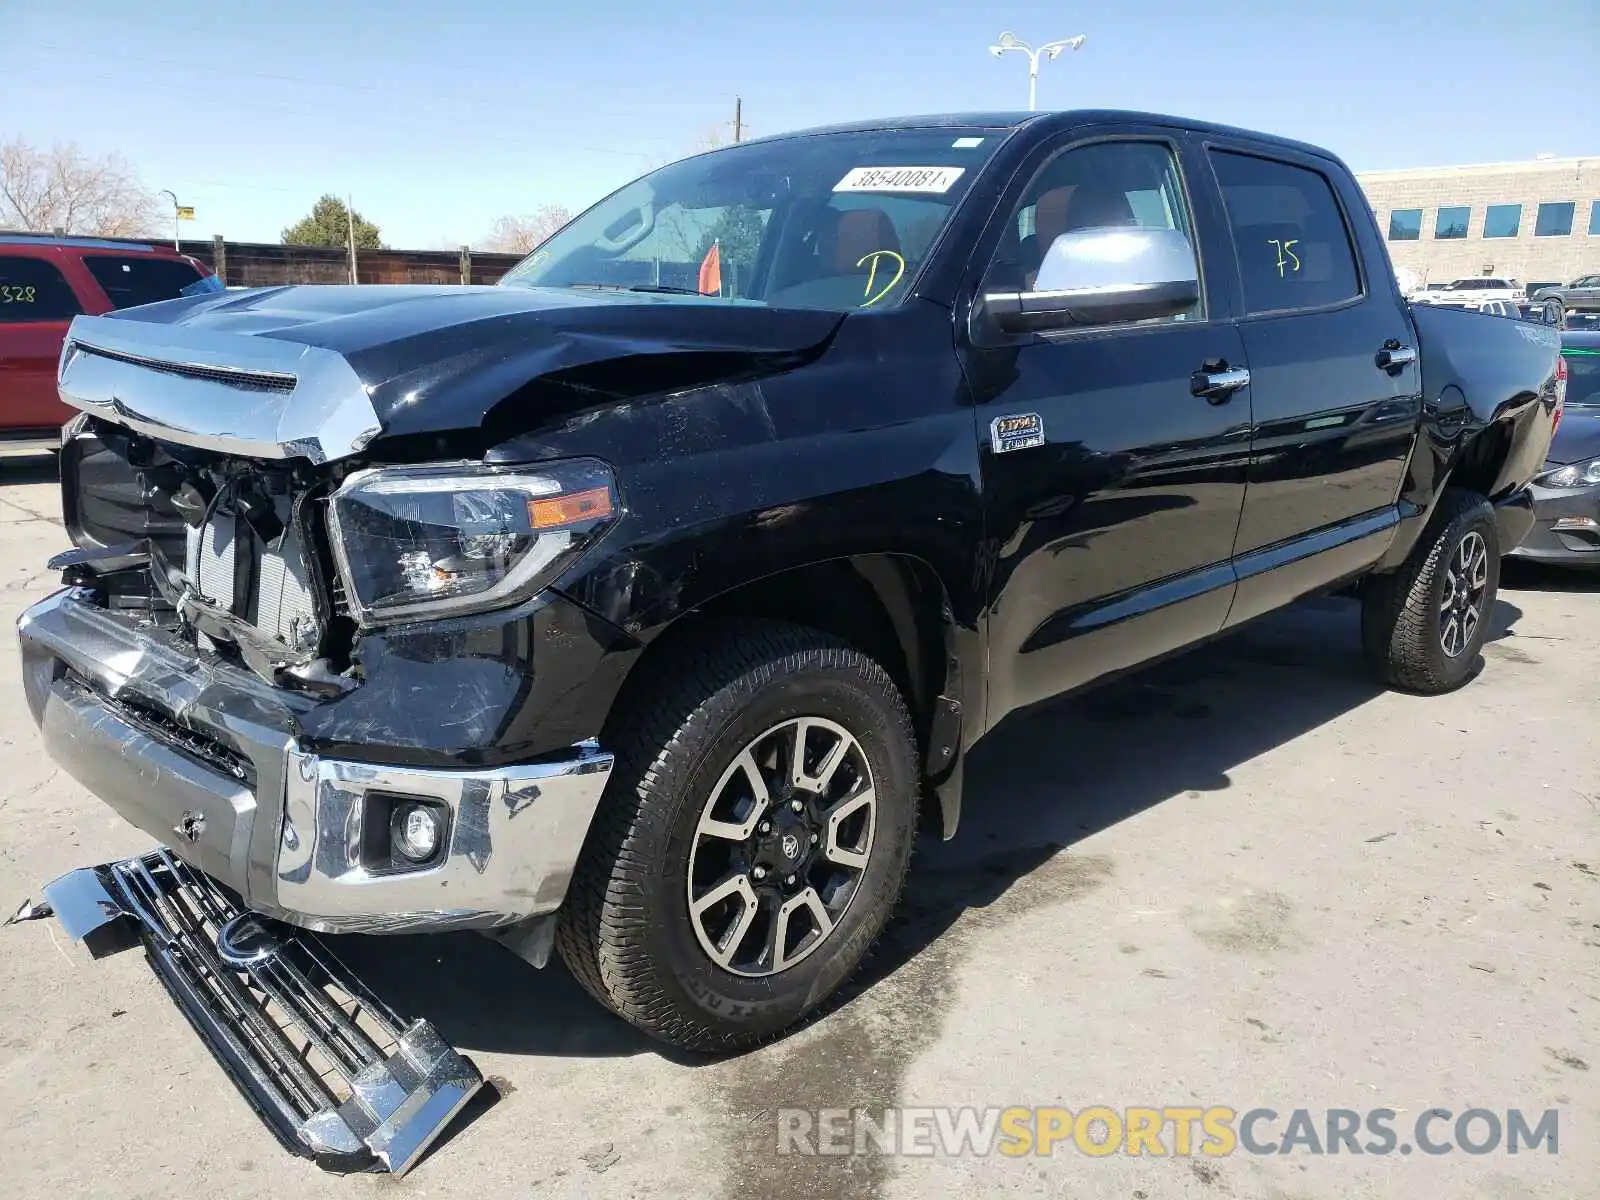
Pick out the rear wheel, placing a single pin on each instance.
(753, 838)
(1422, 626)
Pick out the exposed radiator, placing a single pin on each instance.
(282, 598)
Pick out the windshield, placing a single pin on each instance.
(1583, 377)
(836, 221)
(1477, 285)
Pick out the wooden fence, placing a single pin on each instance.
(268, 264)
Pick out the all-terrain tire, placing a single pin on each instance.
(625, 930)
(1402, 623)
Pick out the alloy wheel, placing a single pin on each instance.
(781, 846)
(1466, 579)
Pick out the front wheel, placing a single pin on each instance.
(1423, 625)
(753, 838)
(1555, 313)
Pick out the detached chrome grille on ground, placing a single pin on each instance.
(331, 1069)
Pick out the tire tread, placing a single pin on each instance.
(675, 706)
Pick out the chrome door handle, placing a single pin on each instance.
(1218, 385)
(1394, 356)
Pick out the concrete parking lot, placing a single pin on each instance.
(1246, 878)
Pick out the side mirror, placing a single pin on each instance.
(1101, 276)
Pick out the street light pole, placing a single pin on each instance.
(1009, 43)
(175, 244)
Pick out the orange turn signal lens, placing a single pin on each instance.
(556, 511)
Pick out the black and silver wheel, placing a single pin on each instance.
(1466, 580)
(1423, 625)
(781, 847)
(753, 838)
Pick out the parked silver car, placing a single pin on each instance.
(1581, 295)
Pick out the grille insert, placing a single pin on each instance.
(334, 1072)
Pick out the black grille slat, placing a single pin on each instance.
(223, 986)
(244, 379)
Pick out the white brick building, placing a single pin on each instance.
(1537, 222)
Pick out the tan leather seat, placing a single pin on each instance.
(856, 234)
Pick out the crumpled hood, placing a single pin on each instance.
(430, 359)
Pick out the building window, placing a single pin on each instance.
(1405, 225)
(1594, 219)
(1452, 222)
(1554, 220)
(1502, 220)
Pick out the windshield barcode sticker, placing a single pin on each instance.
(900, 179)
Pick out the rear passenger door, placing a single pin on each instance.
(36, 305)
(1333, 379)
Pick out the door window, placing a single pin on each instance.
(1294, 249)
(1107, 185)
(130, 281)
(34, 290)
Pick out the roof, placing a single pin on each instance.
(85, 243)
(1063, 119)
(1532, 166)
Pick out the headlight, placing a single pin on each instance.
(415, 542)
(1575, 475)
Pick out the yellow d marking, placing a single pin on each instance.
(875, 258)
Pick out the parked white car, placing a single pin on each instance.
(1461, 293)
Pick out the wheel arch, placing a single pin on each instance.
(891, 606)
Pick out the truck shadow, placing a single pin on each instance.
(28, 468)
(1519, 575)
(1039, 783)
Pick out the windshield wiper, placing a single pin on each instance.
(664, 288)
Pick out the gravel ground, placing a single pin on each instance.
(1246, 878)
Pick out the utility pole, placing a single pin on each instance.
(350, 224)
(738, 118)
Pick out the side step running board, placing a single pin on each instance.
(330, 1068)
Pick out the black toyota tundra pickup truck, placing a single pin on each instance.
(646, 605)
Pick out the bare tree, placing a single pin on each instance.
(64, 188)
(518, 235)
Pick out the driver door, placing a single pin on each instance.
(1111, 523)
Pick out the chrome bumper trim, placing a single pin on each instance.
(288, 835)
(513, 840)
(362, 1086)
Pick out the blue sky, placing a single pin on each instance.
(439, 117)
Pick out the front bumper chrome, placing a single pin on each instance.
(208, 757)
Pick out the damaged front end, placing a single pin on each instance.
(331, 1069)
(335, 684)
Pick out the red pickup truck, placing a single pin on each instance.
(45, 281)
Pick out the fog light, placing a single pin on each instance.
(417, 831)
(1575, 523)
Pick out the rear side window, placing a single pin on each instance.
(33, 290)
(1294, 250)
(144, 280)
